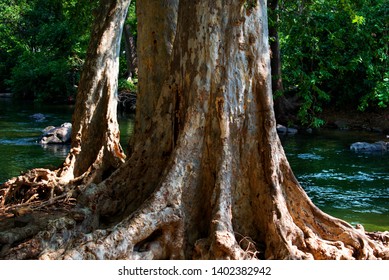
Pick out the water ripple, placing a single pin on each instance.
(19, 141)
(311, 156)
(329, 174)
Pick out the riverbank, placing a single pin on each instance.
(377, 121)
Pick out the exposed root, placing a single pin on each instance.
(351, 244)
(382, 237)
(156, 231)
(39, 187)
(36, 184)
(223, 245)
(249, 246)
(143, 235)
(27, 205)
(36, 190)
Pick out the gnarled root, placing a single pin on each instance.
(152, 232)
(35, 184)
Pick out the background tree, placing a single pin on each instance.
(128, 71)
(129, 39)
(207, 176)
(284, 107)
(335, 54)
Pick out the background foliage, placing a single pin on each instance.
(335, 53)
(43, 44)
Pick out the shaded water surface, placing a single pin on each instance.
(19, 133)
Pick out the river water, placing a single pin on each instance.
(19, 134)
(350, 186)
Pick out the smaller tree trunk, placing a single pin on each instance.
(95, 150)
(275, 55)
(95, 137)
(130, 47)
(283, 107)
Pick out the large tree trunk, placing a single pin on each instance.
(157, 22)
(207, 177)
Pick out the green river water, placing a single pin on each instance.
(350, 186)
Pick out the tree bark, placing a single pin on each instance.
(95, 134)
(207, 177)
(157, 22)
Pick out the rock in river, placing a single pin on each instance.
(38, 117)
(286, 130)
(57, 135)
(365, 147)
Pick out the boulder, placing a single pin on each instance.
(47, 129)
(57, 135)
(342, 124)
(286, 130)
(38, 117)
(365, 147)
